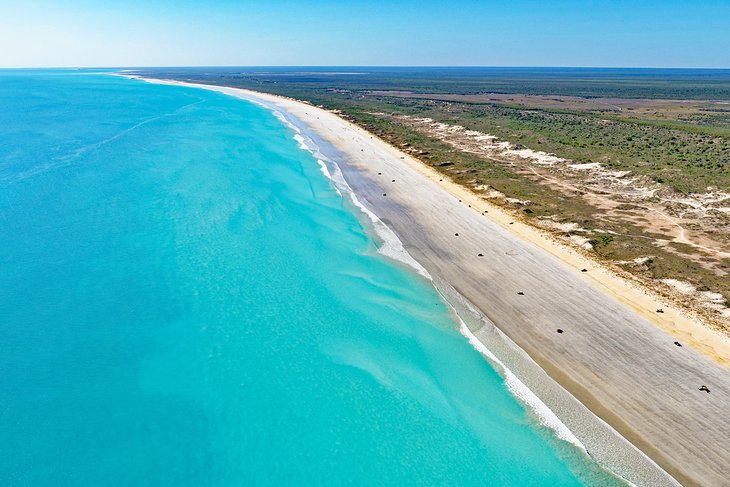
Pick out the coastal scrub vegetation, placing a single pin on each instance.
(671, 127)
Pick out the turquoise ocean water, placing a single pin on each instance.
(186, 300)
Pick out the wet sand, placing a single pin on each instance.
(615, 355)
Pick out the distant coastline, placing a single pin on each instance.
(367, 156)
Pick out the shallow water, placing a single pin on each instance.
(185, 299)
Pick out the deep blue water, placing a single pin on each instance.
(186, 300)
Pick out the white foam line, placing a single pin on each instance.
(391, 246)
(326, 172)
(523, 393)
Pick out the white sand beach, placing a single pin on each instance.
(616, 354)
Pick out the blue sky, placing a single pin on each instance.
(638, 33)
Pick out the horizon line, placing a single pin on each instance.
(474, 66)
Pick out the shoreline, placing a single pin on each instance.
(468, 210)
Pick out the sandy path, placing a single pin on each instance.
(680, 237)
(613, 357)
